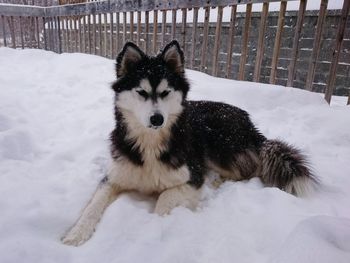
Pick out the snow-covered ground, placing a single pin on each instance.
(55, 117)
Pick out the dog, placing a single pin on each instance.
(165, 144)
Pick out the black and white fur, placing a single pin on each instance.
(164, 144)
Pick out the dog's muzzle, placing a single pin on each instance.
(156, 120)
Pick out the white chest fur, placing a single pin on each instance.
(152, 176)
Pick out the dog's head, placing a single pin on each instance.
(151, 89)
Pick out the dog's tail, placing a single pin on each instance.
(285, 167)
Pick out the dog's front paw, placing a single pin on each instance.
(77, 236)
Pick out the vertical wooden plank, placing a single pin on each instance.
(50, 28)
(56, 34)
(37, 30)
(59, 35)
(3, 30)
(194, 36)
(138, 28)
(147, 31)
(64, 34)
(336, 52)
(295, 49)
(163, 26)
(68, 34)
(230, 40)
(44, 32)
(245, 39)
(12, 31)
(118, 32)
(111, 42)
(183, 29)
(84, 34)
(155, 27)
(131, 26)
(105, 34)
(217, 41)
(173, 24)
(94, 29)
(89, 34)
(260, 50)
(205, 39)
(277, 45)
(72, 34)
(80, 29)
(316, 45)
(76, 33)
(100, 34)
(21, 31)
(124, 28)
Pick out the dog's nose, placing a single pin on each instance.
(157, 119)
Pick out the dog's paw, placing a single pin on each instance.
(163, 209)
(77, 236)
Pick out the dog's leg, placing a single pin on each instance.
(85, 226)
(183, 195)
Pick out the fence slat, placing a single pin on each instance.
(111, 42)
(44, 32)
(80, 35)
(230, 40)
(3, 30)
(94, 28)
(155, 25)
(205, 39)
(100, 34)
(194, 36)
(84, 34)
(173, 25)
(117, 24)
(260, 50)
(277, 45)
(59, 35)
(336, 52)
(163, 26)
(245, 39)
(37, 31)
(138, 28)
(124, 28)
(217, 41)
(131, 26)
(105, 34)
(316, 45)
(76, 33)
(12, 31)
(89, 33)
(183, 29)
(21, 31)
(295, 50)
(147, 32)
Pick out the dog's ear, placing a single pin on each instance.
(128, 58)
(174, 57)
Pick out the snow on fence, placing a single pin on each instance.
(102, 27)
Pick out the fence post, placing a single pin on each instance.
(316, 45)
(294, 55)
(230, 40)
(217, 41)
(248, 15)
(194, 35)
(277, 45)
(261, 40)
(3, 30)
(205, 39)
(336, 52)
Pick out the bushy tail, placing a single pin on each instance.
(285, 167)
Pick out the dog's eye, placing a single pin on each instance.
(142, 93)
(164, 93)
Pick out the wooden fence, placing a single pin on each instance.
(103, 27)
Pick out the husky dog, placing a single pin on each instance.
(165, 144)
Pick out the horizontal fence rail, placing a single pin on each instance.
(303, 49)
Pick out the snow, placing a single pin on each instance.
(55, 117)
